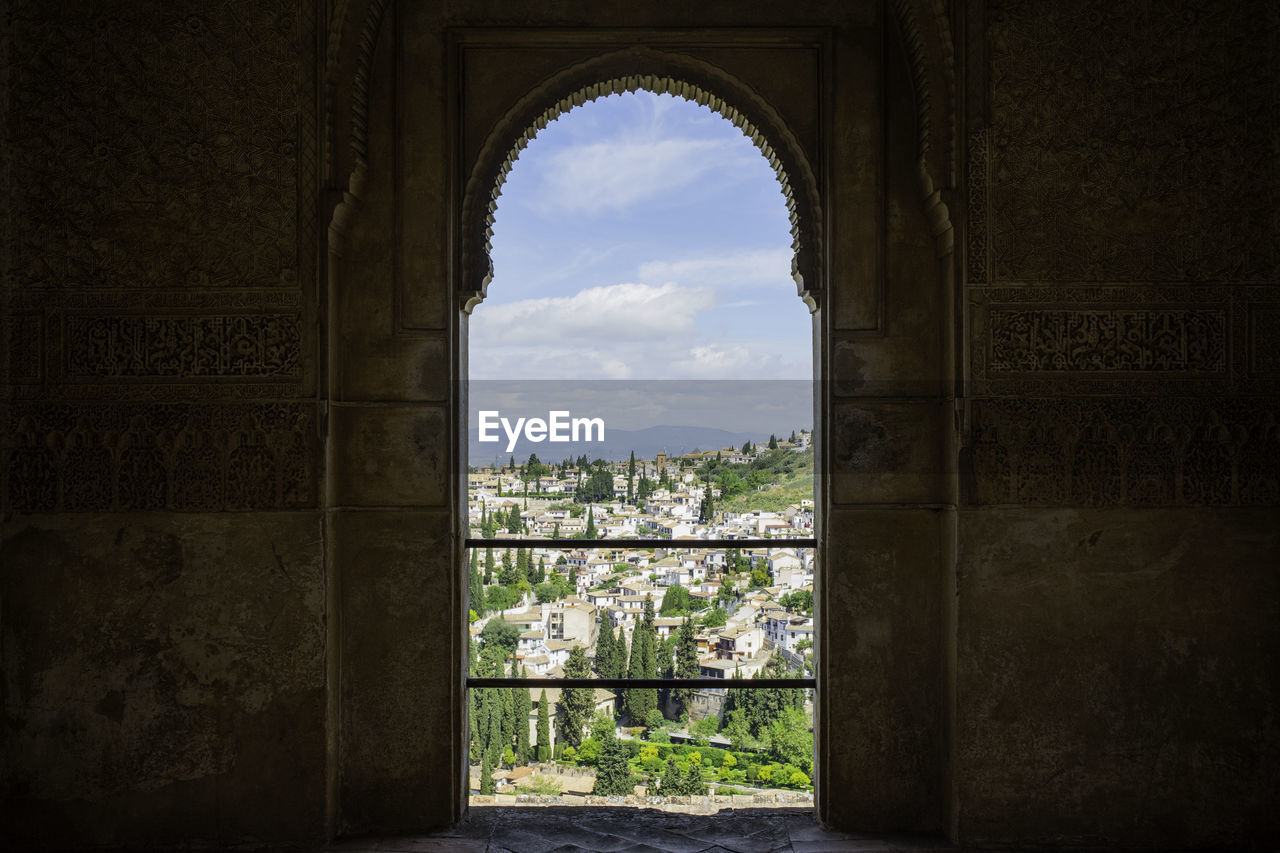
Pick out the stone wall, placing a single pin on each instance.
(1117, 637)
(162, 593)
(228, 605)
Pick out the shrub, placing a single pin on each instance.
(539, 786)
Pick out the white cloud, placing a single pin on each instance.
(615, 174)
(611, 313)
(748, 268)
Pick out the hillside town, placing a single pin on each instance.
(683, 610)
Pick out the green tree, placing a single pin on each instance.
(486, 775)
(707, 511)
(500, 632)
(790, 740)
(604, 653)
(596, 487)
(738, 732)
(523, 707)
(473, 718)
(499, 598)
(507, 575)
(643, 664)
(706, 727)
(762, 706)
(686, 662)
(590, 532)
(534, 469)
(675, 601)
(576, 703)
(488, 565)
(672, 782)
(476, 588)
(620, 655)
(773, 442)
(613, 769)
(654, 719)
(508, 718)
(715, 618)
(800, 600)
(631, 477)
(544, 728)
(493, 744)
(793, 436)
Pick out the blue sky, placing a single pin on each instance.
(649, 232)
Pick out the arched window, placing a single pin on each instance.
(640, 377)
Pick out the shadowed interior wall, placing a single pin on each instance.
(162, 589)
(1117, 584)
(228, 605)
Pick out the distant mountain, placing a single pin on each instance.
(617, 444)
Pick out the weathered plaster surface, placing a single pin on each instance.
(397, 702)
(163, 677)
(1116, 668)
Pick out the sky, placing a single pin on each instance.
(641, 236)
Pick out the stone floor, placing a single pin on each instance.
(622, 830)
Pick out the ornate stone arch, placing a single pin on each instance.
(926, 32)
(627, 71)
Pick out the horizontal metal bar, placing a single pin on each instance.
(643, 682)
(642, 543)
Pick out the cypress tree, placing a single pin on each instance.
(523, 705)
(643, 664)
(544, 728)
(493, 745)
(508, 576)
(486, 775)
(631, 477)
(620, 654)
(773, 442)
(576, 703)
(508, 717)
(686, 662)
(613, 772)
(488, 565)
(604, 653)
(473, 745)
(476, 589)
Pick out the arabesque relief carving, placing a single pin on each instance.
(178, 168)
(162, 159)
(1131, 159)
(1049, 339)
(188, 458)
(244, 345)
(1113, 340)
(1138, 452)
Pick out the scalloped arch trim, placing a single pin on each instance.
(798, 191)
(658, 86)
